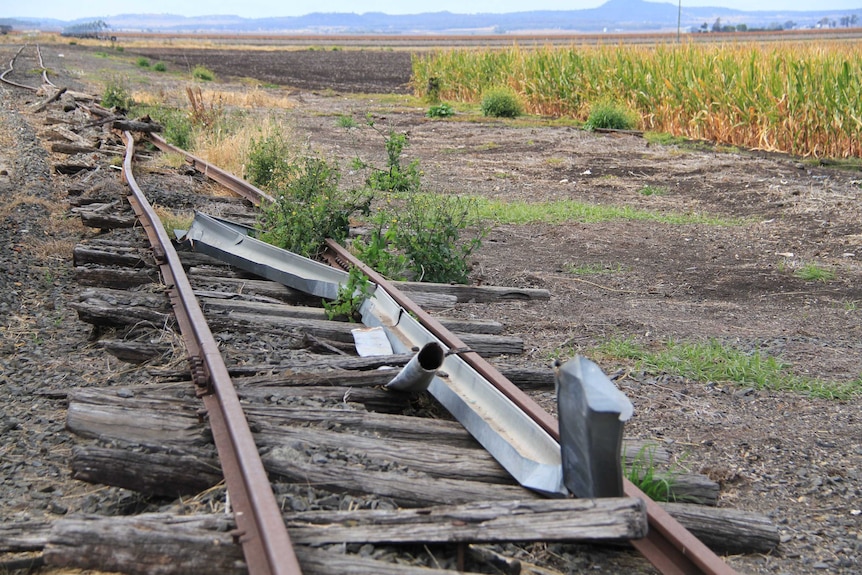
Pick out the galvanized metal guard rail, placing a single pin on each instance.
(669, 546)
(260, 527)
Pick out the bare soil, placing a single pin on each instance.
(795, 458)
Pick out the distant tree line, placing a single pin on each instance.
(850, 21)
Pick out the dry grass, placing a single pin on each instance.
(251, 98)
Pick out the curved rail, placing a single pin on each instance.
(669, 546)
(260, 527)
(11, 69)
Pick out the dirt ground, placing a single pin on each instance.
(792, 457)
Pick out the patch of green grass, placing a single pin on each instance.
(652, 191)
(716, 362)
(160, 67)
(561, 211)
(441, 110)
(814, 273)
(101, 54)
(143, 62)
(346, 122)
(642, 472)
(663, 138)
(592, 269)
(202, 73)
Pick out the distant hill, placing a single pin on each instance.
(613, 16)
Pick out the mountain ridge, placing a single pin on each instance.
(614, 15)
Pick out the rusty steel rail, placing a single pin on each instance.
(260, 527)
(42, 67)
(669, 546)
(228, 180)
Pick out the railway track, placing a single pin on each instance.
(25, 66)
(281, 389)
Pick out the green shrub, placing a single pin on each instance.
(610, 116)
(310, 208)
(268, 163)
(395, 178)
(160, 67)
(202, 73)
(350, 297)
(143, 62)
(501, 103)
(346, 122)
(177, 126)
(116, 95)
(441, 110)
(120, 49)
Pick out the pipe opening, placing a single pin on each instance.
(431, 356)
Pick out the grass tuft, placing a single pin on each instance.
(711, 361)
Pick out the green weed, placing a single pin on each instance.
(346, 122)
(442, 110)
(652, 191)
(350, 297)
(814, 273)
(610, 116)
(202, 73)
(501, 103)
(143, 62)
(116, 95)
(160, 67)
(309, 207)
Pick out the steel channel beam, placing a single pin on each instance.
(260, 527)
(515, 440)
(669, 546)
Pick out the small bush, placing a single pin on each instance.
(610, 116)
(120, 49)
(501, 103)
(116, 95)
(160, 67)
(143, 62)
(177, 126)
(203, 73)
(268, 163)
(442, 110)
(310, 208)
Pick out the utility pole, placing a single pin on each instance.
(678, 21)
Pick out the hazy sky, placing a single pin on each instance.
(69, 10)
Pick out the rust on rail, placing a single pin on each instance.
(260, 527)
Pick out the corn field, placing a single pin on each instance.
(800, 98)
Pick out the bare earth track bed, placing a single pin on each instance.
(795, 458)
